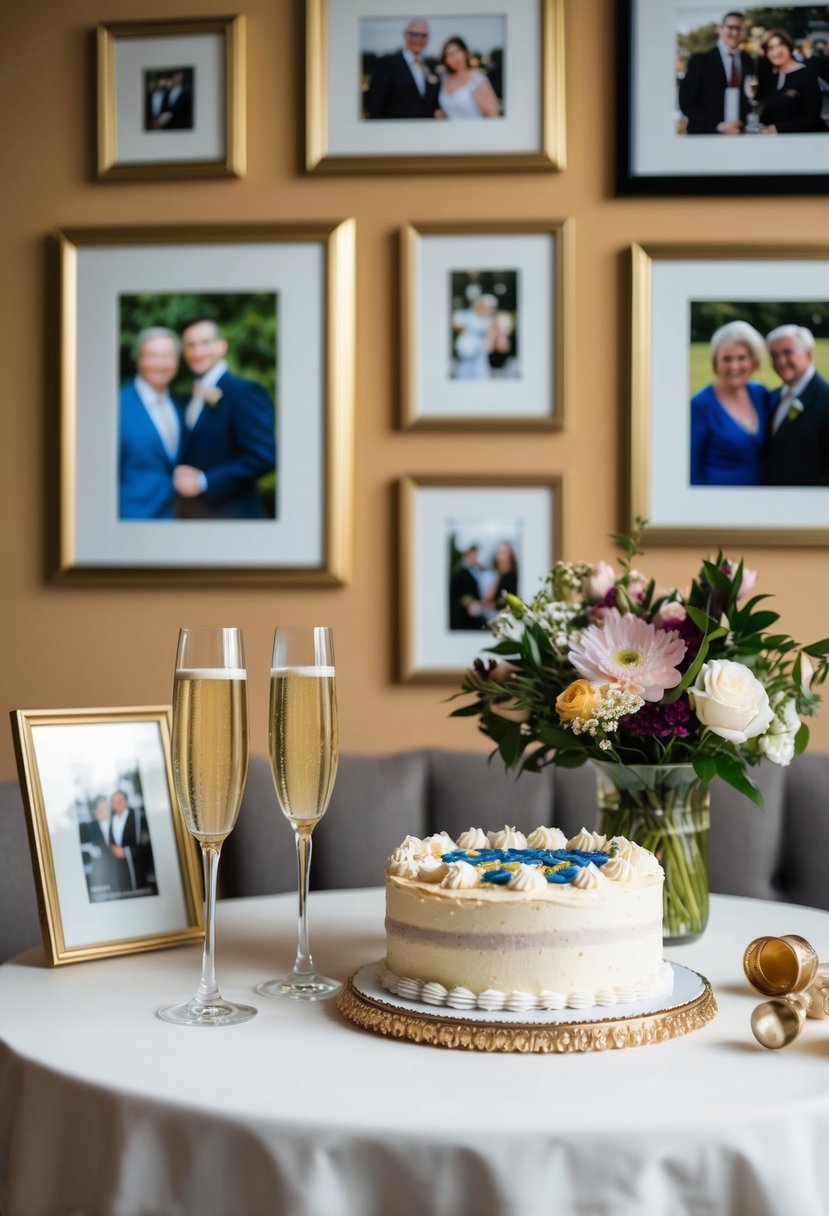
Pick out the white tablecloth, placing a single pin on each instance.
(105, 1109)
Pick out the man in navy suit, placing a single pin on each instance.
(798, 446)
(230, 439)
(711, 94)
(401, 84)
(151, 429)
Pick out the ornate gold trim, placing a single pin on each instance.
(232, 162)
(551, 154)
(605, 1035)
(560, 232)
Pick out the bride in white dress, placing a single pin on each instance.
(465, 92)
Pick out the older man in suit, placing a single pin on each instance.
(230, 441)
(150, 429)
(401, 84)
(129, 844)
(798, 446)
(711, 94)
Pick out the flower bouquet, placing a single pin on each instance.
(662, 690)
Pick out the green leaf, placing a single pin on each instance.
(466, 711)
(571, 759)
(715, 578)
(801, 739)
(705, 767)
(701, 619)
(817, 649)
(759, 621)
(732, 771)
(553, 736)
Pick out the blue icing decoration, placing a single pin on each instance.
(497, 876)
(561, 876)
(530, 857)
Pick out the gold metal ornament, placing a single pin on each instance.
(788, 971)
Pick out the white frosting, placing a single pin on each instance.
(438, 844)
(547, 838)
(617, 870)
(507, 838)
(475, 838)
(408, 988)
(460, 875)
(587, 842)
(461, 998)
(551, 1000)
(406, 865)
(527, 878)
(589, 877)
(414, 844)
(519, 1002)
(431, 869)
(491, 999)
(434, 993)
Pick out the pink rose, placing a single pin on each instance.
(598, 582)
(669, 615)
(749, 577)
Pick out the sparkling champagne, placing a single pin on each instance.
(303, 741)
(210, 749)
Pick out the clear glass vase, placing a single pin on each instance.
(666, 809)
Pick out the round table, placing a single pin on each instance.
(106, 1109)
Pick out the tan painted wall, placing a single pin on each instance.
(81, 647)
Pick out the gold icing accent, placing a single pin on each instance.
(606, 1034)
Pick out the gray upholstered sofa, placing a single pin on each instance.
(777, 852)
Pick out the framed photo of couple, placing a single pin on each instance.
(465, 543)
(171, 98)
(715, 99)
(471, 85)
(483, 316)
(729, 394)
(115, 870)
(206, 404)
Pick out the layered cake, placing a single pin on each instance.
(497, 920)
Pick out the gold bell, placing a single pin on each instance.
(787, 970)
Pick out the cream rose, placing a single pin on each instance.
(580, 700)
(731, 701)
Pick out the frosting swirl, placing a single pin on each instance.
(507, 838)
(546, 838)
(587, 842)
(589, 877)
(526, 878)
(475, 838)
(460, 875)
(438, 844)
(431, 869)
(617, 870)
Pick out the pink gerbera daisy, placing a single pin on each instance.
(630, 652)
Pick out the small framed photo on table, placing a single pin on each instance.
(477, 86)
(115, 869)
(171, 98)
(729, 394)
(483, 315)
(206, 404)
(723, 101)
(464, 544)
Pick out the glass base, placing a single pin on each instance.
(216, 1013)
(301, 987)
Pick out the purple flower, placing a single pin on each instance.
(661, 721)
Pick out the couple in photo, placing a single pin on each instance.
(727, 91)
(116, 848)
(477, 593)
(742, 433)
(404, 85)
(196, 459)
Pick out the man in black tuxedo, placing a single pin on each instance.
(178, 105)
(711, 94)
(129, 844)
(465, 609)
(798, 446)
(402, 85)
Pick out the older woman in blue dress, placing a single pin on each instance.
(465, 92)
(729, 418)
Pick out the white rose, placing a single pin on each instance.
(731, 701)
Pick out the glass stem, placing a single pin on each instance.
(208, 993)
(304, 964)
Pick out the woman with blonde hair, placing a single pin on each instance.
(729, 417)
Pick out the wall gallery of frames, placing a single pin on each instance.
(367, 313)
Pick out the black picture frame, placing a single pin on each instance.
(630, 182)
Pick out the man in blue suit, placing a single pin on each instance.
(711, 94)
(797, 452)
(151, 429)
(230, 438)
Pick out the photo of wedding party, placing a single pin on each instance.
(197, 428)
(115, 842)
(754, 71)
(484, 338)
(759, 384)
(484, 562)
(169, 99)
(440, 68)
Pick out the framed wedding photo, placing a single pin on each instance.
(483, 325)
(465, 543)
(469, 85)
(171, 98)
(206, 404)
(729, 394)
(115, 869)
(723, 101)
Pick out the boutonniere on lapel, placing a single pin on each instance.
(432, 78)
(795, 410)
(209, 395)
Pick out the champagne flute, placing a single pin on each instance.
(210, 764)
(304, 751)
(750, 87)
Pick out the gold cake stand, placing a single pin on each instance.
(546, 1032)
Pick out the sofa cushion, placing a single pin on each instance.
(467, 791)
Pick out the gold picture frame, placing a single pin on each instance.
(523, 394)
(544, 150)
(208, 140)
(440, 517)
(92, 902)
(309, 268)
(679, 295)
